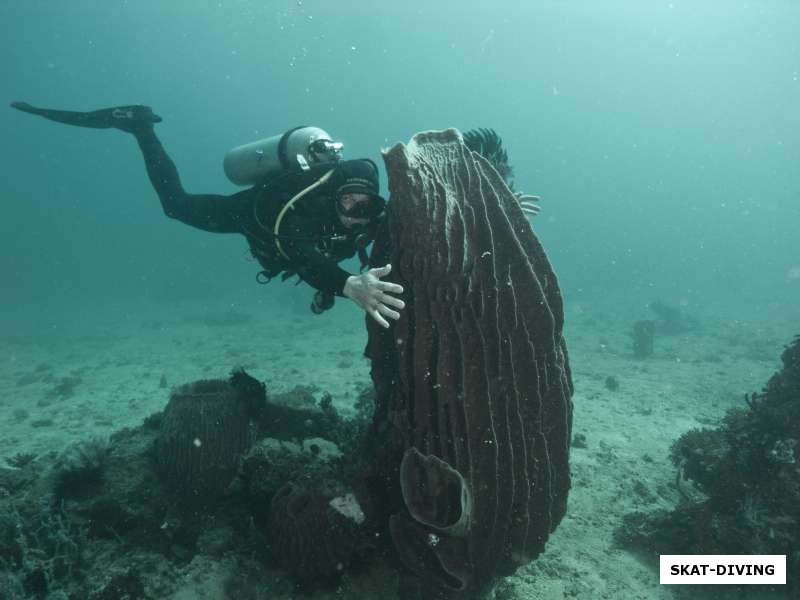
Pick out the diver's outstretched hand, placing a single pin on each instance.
(373, 295)
(529, 203)
(131, 118)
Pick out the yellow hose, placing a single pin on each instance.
(290, 204)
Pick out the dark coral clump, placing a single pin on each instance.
(252, 392)
(115, 527)
(747, 477)
(40, 547)
(20, 460)
(80, 466)
(124, 585)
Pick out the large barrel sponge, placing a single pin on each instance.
(205, 429)
(473, 387)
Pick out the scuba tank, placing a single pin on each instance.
(297, 149)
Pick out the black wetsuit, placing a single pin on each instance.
(312, 239)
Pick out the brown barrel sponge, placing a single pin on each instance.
(204, 431)
(473, 385)
(314, 533)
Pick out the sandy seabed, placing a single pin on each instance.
(69, 377)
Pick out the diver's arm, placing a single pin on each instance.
(209, 212)
(366, 290)
(374, 296)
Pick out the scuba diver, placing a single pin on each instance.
(305, 211)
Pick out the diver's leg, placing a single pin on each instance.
(210, 212)
(127, 118)
(161, 170)
(135, 119)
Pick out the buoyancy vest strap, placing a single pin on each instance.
(290, 204)
(286, 161)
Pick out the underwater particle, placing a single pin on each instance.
(793, 274)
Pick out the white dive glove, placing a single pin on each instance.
(529, 203)
(373, 295)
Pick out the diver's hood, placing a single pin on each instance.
(357, 177)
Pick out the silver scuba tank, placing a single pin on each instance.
(297, 149)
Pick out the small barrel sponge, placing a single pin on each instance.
(643, 334)
(205, 429)
(315, 533)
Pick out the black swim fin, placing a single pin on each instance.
(127, 118)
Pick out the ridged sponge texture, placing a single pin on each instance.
(204, 431)
(473, 382)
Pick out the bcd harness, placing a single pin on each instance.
(361, 241)
(290, 206)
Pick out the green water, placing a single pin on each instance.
(663, 136)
